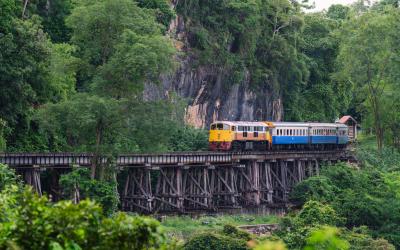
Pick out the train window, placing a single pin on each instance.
(220, 126)
(244, 134)
(226, 127)
(213, 126)
(240, 128)
(255, 134)
(233, 128)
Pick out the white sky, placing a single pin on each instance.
(324, 4)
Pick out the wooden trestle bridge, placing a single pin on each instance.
(190, 181)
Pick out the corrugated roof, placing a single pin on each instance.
(345, 118)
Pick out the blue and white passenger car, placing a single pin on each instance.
(289, 135)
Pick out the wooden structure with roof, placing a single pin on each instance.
(352, 124)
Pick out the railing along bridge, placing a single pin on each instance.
(189, 181)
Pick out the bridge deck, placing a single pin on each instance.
(164, 159)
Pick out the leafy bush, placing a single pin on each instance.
(7, 177)
(316, 187)
(103, 192)
(31, 222)
(326, 238)
(234, 232)
(296, 229)
(213, 241)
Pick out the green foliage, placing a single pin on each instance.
(103, 192)
(63, 68)
(136, 58)
(8, 11)
(271, 245)
(316, 187)
(53, 14)
(365, 197)
(367, 59)
(338, 12)
(3, 142)
(360, 238)
(183, 227)
(7, 177)
(326, 238)
(103, 30)
(31, 222)
(295, 230)
(24, 54)
(234, 232)
(163, 11)
(188, 139)
(211, 241)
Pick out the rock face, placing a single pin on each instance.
(209, 97)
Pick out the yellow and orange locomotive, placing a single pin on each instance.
(230, 135)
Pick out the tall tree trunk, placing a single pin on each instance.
(24, 8)
(97, 164)
(377, 123)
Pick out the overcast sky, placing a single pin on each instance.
(324, 4)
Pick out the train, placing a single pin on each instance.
(268, 136)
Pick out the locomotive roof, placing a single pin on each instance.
(241, 123)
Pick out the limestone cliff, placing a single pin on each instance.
(209, 97)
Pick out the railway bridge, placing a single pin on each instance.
(188, 181)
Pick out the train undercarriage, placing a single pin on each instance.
(266, 146)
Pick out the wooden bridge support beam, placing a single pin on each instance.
(168, 193)
(137, 193)
(31, 177)
(224, 187)
(249, 183)
(197, 188)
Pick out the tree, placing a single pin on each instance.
(78, 185)
(3, 142)
(163, 11)
(136, 59)
(24, 54)
(97, 30)
(323, 98)
(84, 123)
(63, 68)
(338, 12)
(53, 14)
(367, 60)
